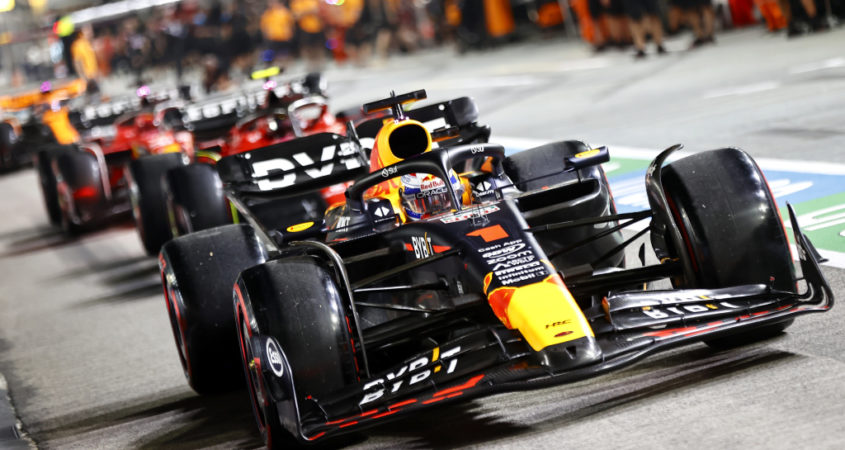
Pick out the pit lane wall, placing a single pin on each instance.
(816, 190)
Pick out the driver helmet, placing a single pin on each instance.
(425, 195)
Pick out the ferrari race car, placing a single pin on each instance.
(431, 284)
(88, 180)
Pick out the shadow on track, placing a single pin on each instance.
(133, 292)
(31, 240)
(186, 421)
(102, 267)
(476, 423)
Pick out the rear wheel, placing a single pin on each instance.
(730, 225)
(296, 301)
(8, 158)
(195, 199)
(198, 272)
(149, 207)
(78, 188)
(47, 181)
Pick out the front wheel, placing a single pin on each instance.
(297, 302)
(731, 227)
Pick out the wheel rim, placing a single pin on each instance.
(171, 296)
(256, 393)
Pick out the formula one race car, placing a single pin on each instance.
(430, 286)
(34, 118)
(195, 196)
(91, 179)
(301, 178)
(193, 192)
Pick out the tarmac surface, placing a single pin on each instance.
(89, 359)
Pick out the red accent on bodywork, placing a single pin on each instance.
(385, 414)
(85, 192)
(670, 332)
(316, 436)
(401, 404)
(499, 301)
(469, 384)
(440, 248)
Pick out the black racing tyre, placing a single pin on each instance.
(8, 158)
(296, 301)
(43, 160)
(77, 172)
(198, 272)
(730, 225)
(539, 168)
(149, 206)
(195, 199)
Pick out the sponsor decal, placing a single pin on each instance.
(483, 188)
(476, 149)
(274, 357)
(411, 373)
(681, 310)
(382, 211)
(472, 213)
(300, 227)
(230, 105)
(512, 261)
(345, 150)
(422, 246)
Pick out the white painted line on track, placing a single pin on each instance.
(831, 63)
(742, 90)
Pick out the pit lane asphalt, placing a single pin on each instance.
(88, 354)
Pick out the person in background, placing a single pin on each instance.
(644, 17)
(700, 16)
(612, 14)
(84, 58)
(277, 29)
(802, 15)
(312, 39)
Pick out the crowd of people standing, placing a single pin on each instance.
(232, 37)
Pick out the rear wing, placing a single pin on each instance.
(294, 167)
(220, 113)
(453, 122)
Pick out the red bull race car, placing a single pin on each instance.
(454, 272)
